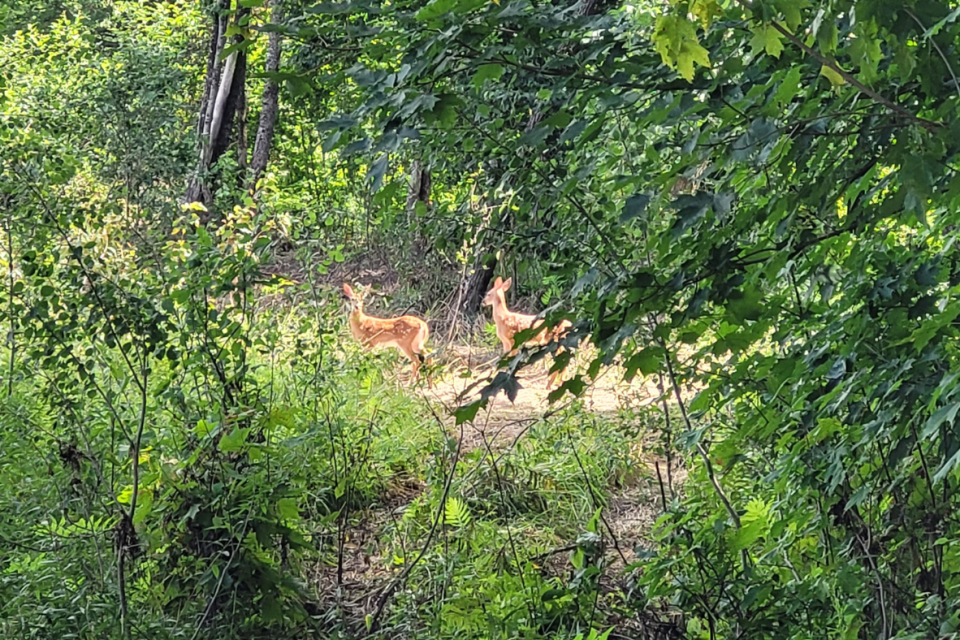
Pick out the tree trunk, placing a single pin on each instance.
(223, 97)
(477, 283)
(211, 80)
(230, 97)
(243, 147)
(197, 191)
(269, 103)
(419, 189)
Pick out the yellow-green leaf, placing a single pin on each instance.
(691, 52)
(706, 10)
(676, 41)
(455, 513)
(835, 78)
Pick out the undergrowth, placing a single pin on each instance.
(220, 468)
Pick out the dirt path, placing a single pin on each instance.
(503, 421)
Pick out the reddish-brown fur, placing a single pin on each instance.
(407, 333)
(510, 323)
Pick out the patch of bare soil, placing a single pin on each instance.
(501, 422)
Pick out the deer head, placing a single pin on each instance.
(496, 291)
(354, 298)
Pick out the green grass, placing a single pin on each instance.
(266, 496)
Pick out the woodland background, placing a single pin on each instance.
(747, 208)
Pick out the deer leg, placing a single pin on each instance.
(414, 363)
(420, 362)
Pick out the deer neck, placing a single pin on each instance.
(357, 318)
(500, 311)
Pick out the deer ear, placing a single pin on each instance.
(497, 282)
(507, 283)
(347, 289)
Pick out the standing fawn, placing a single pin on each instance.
(406, 333)
(510, 323)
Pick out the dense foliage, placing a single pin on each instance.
(753, 204)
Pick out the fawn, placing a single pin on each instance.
(406, 333)
(509, 323)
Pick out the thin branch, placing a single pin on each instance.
(700, 448)
(393, 586)
(934, 44)
(223, 574)
(929, 125)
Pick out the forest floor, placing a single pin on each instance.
(632, 505)
(631, 509)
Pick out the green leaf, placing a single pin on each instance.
(202, 429)
(485, 72)
(468, 413)
(243, 45)
(234, 440)
(825, 28)
(125, 495)
(144, 506)
(647, 361)
(455, 513)
(905, 61)
(791, 10)
(270, 609)
(435, 9)
(947, 467)
(376, 172)
(575, 386)
(634, 206)
(747, 535)
(789, 86)
(287, 509)
(746, 304)
(298, 86)
(706, 10)
(330, 143)
(444, 112)
(946, 414)
(767, 38)
(865, 50)
(676, 41)
(857, 498)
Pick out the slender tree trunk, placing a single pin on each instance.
(211, 80)
(230, 98)
(223, 99)
(417, 191)
(269, 103)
